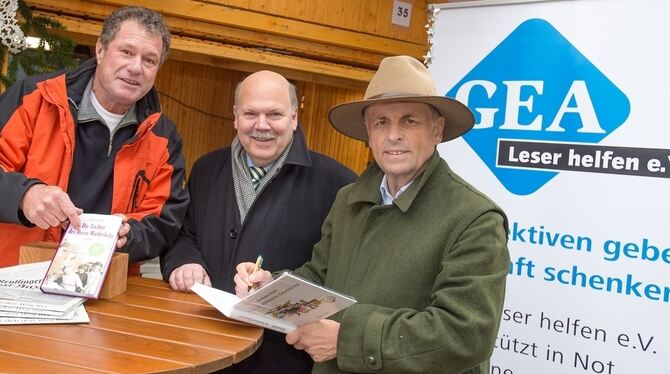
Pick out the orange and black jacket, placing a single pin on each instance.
(37, 145)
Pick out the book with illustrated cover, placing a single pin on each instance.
(281, 305)
(83, 257)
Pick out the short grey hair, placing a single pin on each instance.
(436, 113)
(292, 93)
(149, 19)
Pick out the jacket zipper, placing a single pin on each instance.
(137, 184)
(111, 137)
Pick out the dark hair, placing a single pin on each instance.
(151, 20)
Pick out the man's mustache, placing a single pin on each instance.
(264, 135)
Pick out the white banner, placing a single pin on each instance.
(572, 140)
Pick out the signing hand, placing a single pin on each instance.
(185, 276)
(49, 206)
(318, 339)
(247, 277)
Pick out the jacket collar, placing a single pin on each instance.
(299, 153)
(88, 113)
(366, 188)
(77, 80)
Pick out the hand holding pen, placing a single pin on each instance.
(249, 275)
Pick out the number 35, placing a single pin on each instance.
(403, 12)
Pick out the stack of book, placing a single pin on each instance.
(22, 301)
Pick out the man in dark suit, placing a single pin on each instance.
(266, 194)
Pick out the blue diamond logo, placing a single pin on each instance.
(535, 85)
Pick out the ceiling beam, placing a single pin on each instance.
(244, 19)
(236, 57)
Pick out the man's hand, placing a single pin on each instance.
(49, 206)
(318, 339)
(246, 277)
(123, 231)
(185, 276)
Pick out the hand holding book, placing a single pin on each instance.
(318, 339)
(123, 231)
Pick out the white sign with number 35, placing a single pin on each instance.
(402, 13)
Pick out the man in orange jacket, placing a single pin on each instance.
(94, 140)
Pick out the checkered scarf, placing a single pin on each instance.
(244, 188)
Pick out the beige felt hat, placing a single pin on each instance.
(402, 79)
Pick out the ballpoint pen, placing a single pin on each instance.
(259, 263)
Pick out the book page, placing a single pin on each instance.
(294, 300)
(221, 300)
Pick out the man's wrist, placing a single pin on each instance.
(28, 183)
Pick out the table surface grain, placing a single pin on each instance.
(147, 329)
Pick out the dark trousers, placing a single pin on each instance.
(273, 356)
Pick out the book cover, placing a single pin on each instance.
(83, 257)
(281, 305)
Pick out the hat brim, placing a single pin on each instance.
(348, 118)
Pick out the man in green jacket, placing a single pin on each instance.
(422, 251)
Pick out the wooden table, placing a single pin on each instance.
(149, 328)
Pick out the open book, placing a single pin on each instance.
(281, 305)
(83, 257)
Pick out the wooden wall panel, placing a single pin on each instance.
(339, 26)
(341, 40)
(365, 16)
(322, 137)
(205, 38)
(200, 100)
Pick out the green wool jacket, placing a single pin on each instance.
(428, 272)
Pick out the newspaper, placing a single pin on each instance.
(78, 316)
(22, 301)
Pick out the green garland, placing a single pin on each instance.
(38, 60)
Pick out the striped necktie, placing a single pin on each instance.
(257, 174)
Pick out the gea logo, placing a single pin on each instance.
(536, 86)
